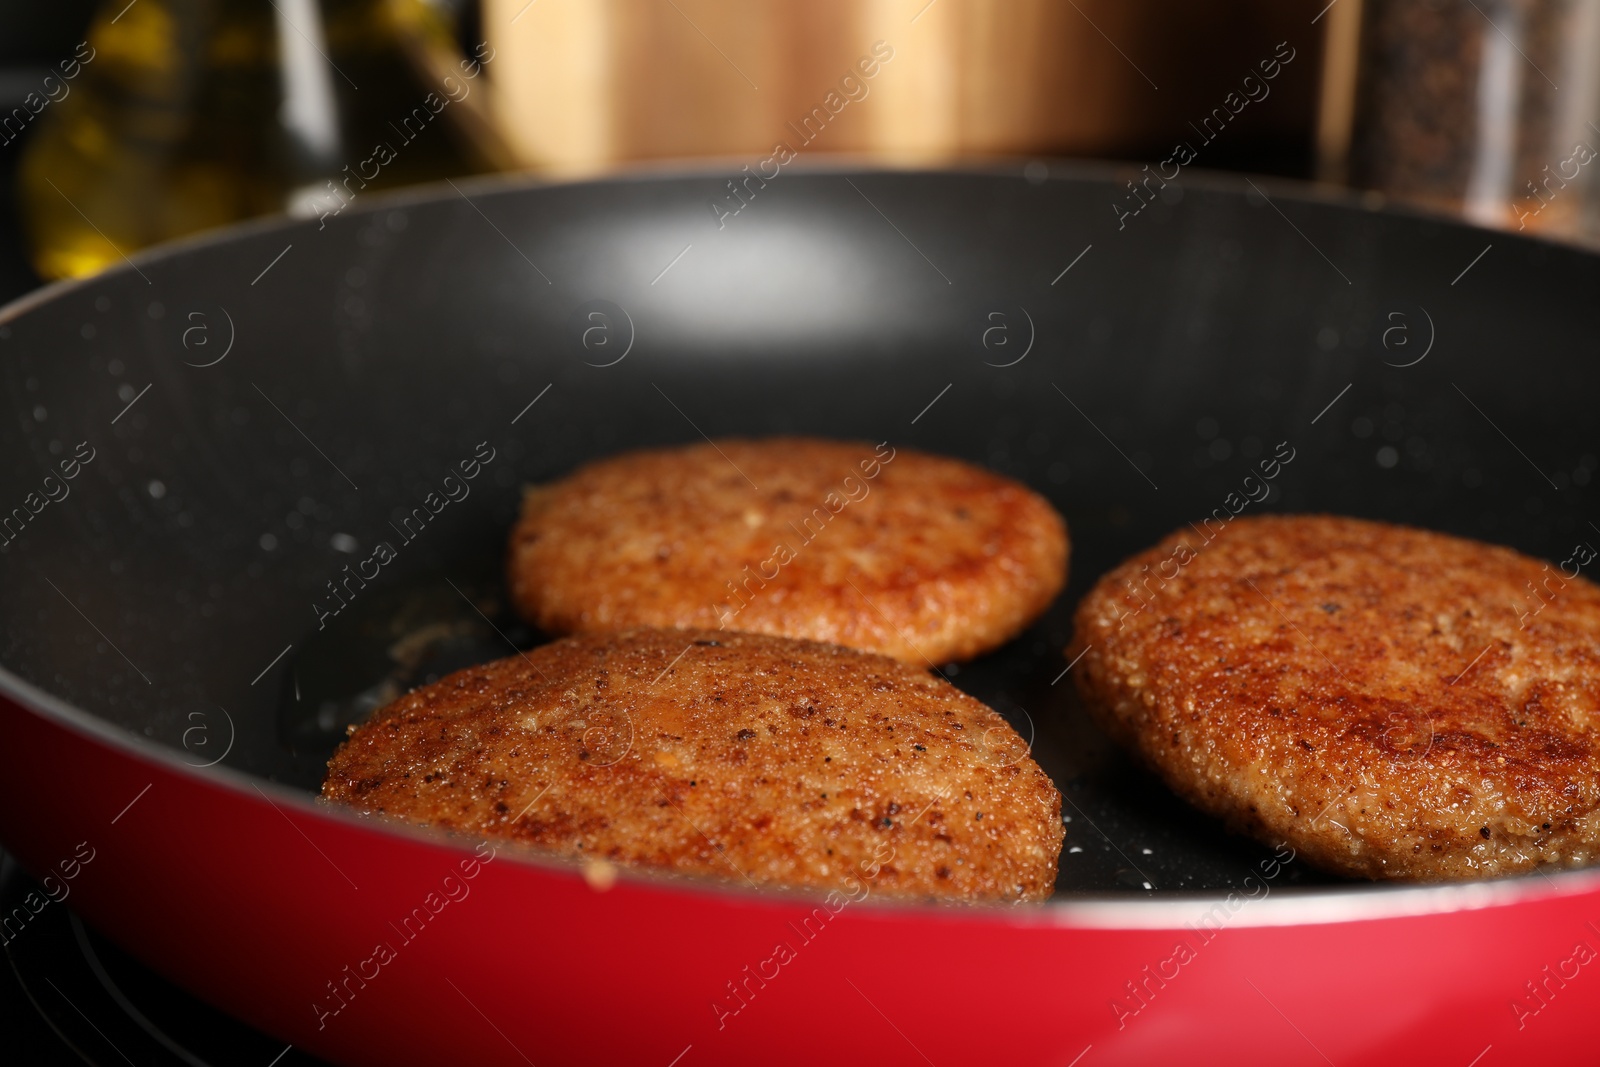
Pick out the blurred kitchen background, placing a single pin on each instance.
(123, 124)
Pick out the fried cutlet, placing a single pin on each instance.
(1393, 703)
(767, 760)
(919, 557)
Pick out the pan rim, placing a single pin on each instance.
(1351, 902)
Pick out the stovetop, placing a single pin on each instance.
(70, 996)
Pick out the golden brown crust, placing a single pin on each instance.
(919, 557)
(1373, 694)
(779, 761)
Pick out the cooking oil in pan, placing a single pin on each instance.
(385, 645)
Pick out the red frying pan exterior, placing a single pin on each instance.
(263, 902)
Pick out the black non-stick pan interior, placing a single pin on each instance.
(263, 411)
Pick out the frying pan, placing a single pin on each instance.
(245, 416)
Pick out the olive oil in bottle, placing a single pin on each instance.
(188, 114)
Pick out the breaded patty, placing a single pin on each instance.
(764, 759)
(1393, 703)
(919, 557)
